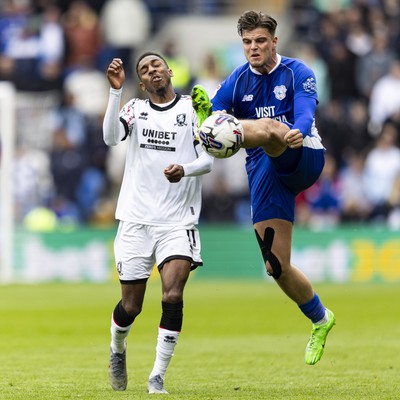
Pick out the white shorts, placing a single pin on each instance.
(138, 247)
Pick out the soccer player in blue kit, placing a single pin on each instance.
(275, 98)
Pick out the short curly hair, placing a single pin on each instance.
(251, 20)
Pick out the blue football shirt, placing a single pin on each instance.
(287, 94)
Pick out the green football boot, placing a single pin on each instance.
(316, 343)
(201, 103)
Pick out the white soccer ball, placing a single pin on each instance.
(221, 135)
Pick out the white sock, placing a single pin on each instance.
(323, 320)
(118, 337)
(166, 343)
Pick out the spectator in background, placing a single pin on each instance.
(78, 159)
(86, 84)
(82, 35)
(357, 135)
(219, 204)
(331, 120)
(209, 75)
(125, 26)
(307, 53)
(355, 206)
(13, 22)
(382, 166)
(67, 157)
(385, 97)
(374, 65)
(182, 79)
(33, 182)
(52, 46)
(226, 191)
(358, 39)
(31, 47)
(93, 183)
(341, 65)
(330, 33)
(329, 6)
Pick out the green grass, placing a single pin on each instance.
(240, 341)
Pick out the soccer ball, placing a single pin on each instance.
(221, 135)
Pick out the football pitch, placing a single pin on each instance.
(240, 340)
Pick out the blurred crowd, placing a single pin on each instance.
(63, 48)
(354, 48)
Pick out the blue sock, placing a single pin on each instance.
(314, 309)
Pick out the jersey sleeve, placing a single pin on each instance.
(127, 116)
(223, 97)
(113, 130)
(305, 99)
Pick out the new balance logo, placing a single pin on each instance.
(247, 97)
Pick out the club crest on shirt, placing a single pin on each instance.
(280, 92)
(310, 85)
(181, 120)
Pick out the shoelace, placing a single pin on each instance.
(158, 380)
(313, 337)
(117, 365)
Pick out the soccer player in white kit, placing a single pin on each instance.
(158, 206)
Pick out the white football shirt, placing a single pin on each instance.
(157, 137)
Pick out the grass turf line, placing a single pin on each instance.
(239, 341)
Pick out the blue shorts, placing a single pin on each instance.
(275, 182)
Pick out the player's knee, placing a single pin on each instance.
(123, 314)
(132, 309)
(172, 296)
(270, 269)
(272, 262)
(272, 135)
(270, 127)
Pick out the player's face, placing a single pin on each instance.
(154, 74)
(259, 48)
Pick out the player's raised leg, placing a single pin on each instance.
(266, 133)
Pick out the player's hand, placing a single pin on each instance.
(174, 172)
(294, 139)
(116, 73)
